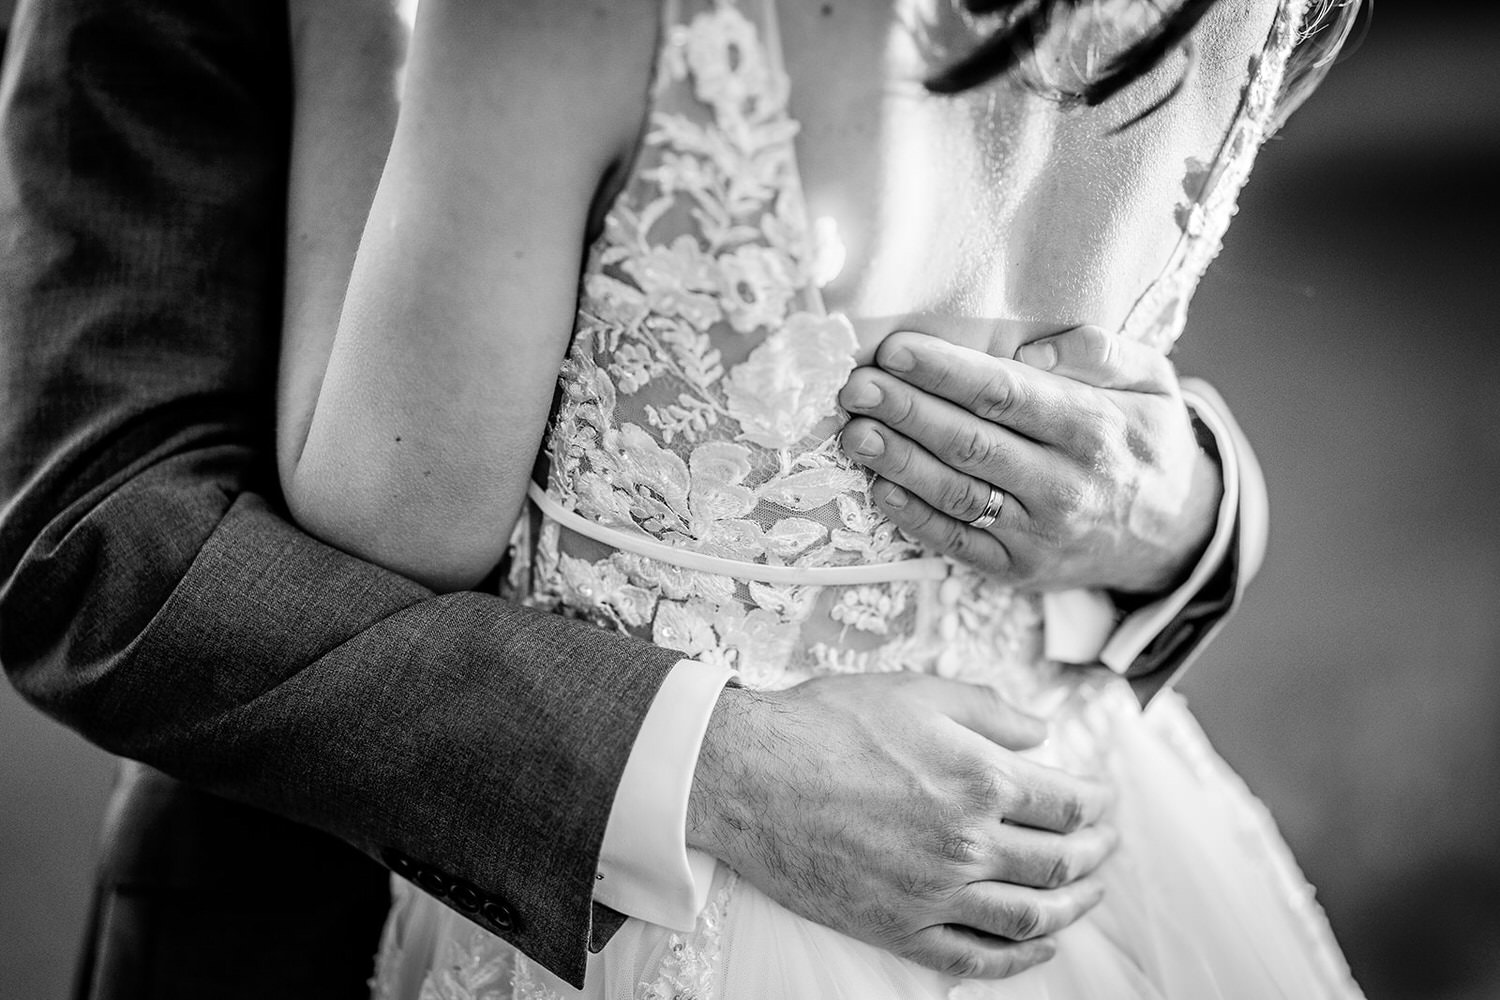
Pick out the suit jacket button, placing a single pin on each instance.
(499, 915)
(465, 897)
(434, 883)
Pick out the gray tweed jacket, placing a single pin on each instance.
(155, 597)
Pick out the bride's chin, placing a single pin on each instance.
(996, 337)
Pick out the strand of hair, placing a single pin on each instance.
(1171, 33)
(997, 54)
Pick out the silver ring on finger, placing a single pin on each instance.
(992, 508)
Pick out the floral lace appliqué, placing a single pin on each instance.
(699, 397)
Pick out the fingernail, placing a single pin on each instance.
(897, 359)
(896, 498)
(1038, 354)
(866, 444)
(864, 396)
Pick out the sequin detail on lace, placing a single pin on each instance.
(691, 965)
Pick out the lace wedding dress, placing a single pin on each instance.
(697, 497)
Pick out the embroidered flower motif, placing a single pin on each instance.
(870, 608)
(675, 582)
(598, 500)
(614, 303)
(657, 479)
(602, 586)
(685, 627)
(738, 539)
(786, 231)
(812, 488)
(633, 367)
(689, 965)
(790, 602)
(790, 383)
(757, 286)
(791, 535)
(762, 641)
(678, 280)
(717, 492)
(728, 63)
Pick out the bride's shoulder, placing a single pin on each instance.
(601, 42)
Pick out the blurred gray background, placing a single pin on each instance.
(1351, 322)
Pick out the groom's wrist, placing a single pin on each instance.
(720, 808)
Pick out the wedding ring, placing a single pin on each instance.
(991, 510)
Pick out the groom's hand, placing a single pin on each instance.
(1086, 434)
(893, 808)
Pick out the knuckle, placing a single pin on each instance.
(920, 884)
(960, 847)
(951, 538)
(1147, 443)
(1019, 799)
(958, 497)
(969, 446)
(880, 922)
(1060, 871)
(987, 792)
(1115, 437)
(998, 397)
(917, 518)
(968, 548)
(1072, 814)
(1090, 434)
(963, 963)
(1023, 921)
(901, 406)
(898, 459)
(1067, 498)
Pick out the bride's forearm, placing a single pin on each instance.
(438, 382)
(413, 445)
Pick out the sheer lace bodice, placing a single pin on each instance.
(696, 493)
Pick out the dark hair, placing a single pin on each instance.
(1025, 23)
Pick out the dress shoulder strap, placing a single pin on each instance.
(1159, 316)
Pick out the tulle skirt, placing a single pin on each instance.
(1202, 902)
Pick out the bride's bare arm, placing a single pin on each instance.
(418, 371)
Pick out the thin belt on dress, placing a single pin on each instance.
(925, 568)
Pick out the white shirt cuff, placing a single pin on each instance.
(1076, 624)
(646, 869)
(1079, 625)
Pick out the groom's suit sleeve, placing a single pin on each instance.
(153, 595)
